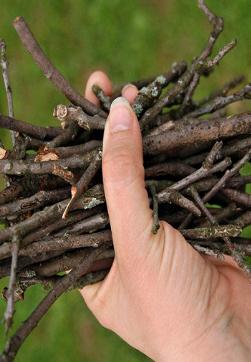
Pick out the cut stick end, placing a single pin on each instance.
(18, 19)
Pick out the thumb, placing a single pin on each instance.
(123, 178)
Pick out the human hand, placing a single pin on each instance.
(161, 296)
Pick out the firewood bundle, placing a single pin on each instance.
(53, 207)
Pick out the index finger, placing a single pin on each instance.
(100, 78)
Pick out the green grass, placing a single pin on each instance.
(129, 40)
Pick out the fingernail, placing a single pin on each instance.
(120, 118)
(128, 86)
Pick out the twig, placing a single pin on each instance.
(205, 250)
(245, 248)
(168, 99)
(4, 65)
(84, 181)
(147, 95)
(76, 224)
(212, 232)
(212, 155)
(227, 175)
(239, 197)
(87, 225)
(191, 78)
(201, 205)
(68, 243)
(179, 68)
(223, 91)
(67, 151)
(235, 254)
(103, 99)
(222, 214)
(49, 70)
(68, 135)
(211, 63)
(243, 220)
(221, 102)
(34, 202)
(178, 169)
(155, 226)
(232, 194)
(68, 114)
(68, 261)
(10, 192)
(40, 133)
(63, 172)
(202, 172)
(10, 309)
(54, 226)
(201, 65)
(228, 149)
(92, 198)
(174, 197)
(26, 282)
(60, 287)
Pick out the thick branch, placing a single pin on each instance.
(22, 167)
(204, 131)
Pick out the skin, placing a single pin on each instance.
(161, 296)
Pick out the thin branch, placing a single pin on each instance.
(66, 114)
(67, 151)
(221, 102)
(84, 181)
(10, 309)
(92, 198)
(243, 220)
(174, 197)
(104, 100)
(51, 73)
(227, 175)
(224, 90)
(200, 203)
(40, 133)
(68, 243)
(60, 287)
(68, 261)
(40, 199)
(68, 135)
(179, 67)
(60, 224)
(239, 197)
(212, 232)
(149, 94)
(155, 226)
(231, 148)
(87, 225)
(199, 174)
(4, 65)
(176, 168)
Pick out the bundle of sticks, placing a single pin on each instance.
(53, 207)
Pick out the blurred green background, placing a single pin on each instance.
(128, 39)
